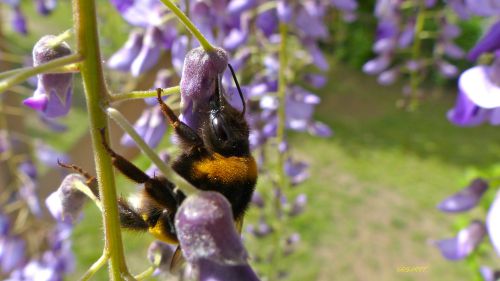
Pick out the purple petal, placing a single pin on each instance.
(206, 230)
(123, 58)
(462, 245)
(149, 54)
(284, 10)
(477, 84)
(235, 39)
(213, 271)
(236, 7)
(320, 129)
(377, 65)
(466, 113)
(179, 50)
(19, 21)
(37, 102)
(12, 253)
(267, 22)
(489, 43)
(465, 199)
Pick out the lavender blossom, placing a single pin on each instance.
(53, 94)
(209, 239)
(462, 245)
(123, 58)
(67, 201)
(465, 199)
(199, 78)
(151, 126)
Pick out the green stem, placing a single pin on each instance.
(146, 274)
(61, 38)
(86, 190)
(189, 25)
(19, 75)
(164, 169)
(280, 137)
(95, 267)
(96, 94)
(415, 54)
(144, 94)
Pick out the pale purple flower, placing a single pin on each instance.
(485, 8)
(142, 13)
(150, 52)
(462, 245)
(298, 205)
(47, 155)
(377, 65)
(123, 58)
(200, 74)
(236, 7)
(489, 274)
(66, 203)
(151, 126)
(466, 198)
(296, 170)
(53, 94)
(12, 253)
(209, 240)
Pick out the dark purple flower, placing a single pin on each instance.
(267, 22)
(466, 113)
(151, 126)
(53, 94)
(45, 7)
(493, 225)
(123, 58)
(465, 199)
(209, 239)
(489, 43)
(67, 201)
(462, 245)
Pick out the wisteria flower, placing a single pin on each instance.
(465, 199)
(462, 245)
(52, 96)
(209, 239)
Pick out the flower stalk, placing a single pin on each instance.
(144, 94)
(96, 94)
(189, 25)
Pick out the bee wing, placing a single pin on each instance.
(177, 261)
(239, 224)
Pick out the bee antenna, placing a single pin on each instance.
(239, 89)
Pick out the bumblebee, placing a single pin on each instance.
(217, 158)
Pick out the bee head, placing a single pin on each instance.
(226, 131)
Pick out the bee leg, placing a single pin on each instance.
(188, 136)
(159, 189)
(130, 218)
(91, 180)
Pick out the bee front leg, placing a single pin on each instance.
(187, 135)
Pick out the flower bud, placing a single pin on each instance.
(462, 245)
(52, 96)
(206, 230)
(199, 79)
(465, 199)
(67, 201)
(160, 254)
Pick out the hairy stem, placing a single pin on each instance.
(19, 75)
(96, 95)
(189, 25)
(144, 94)
(162, 166)
(95, 267)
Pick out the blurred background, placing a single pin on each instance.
(374, 184)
